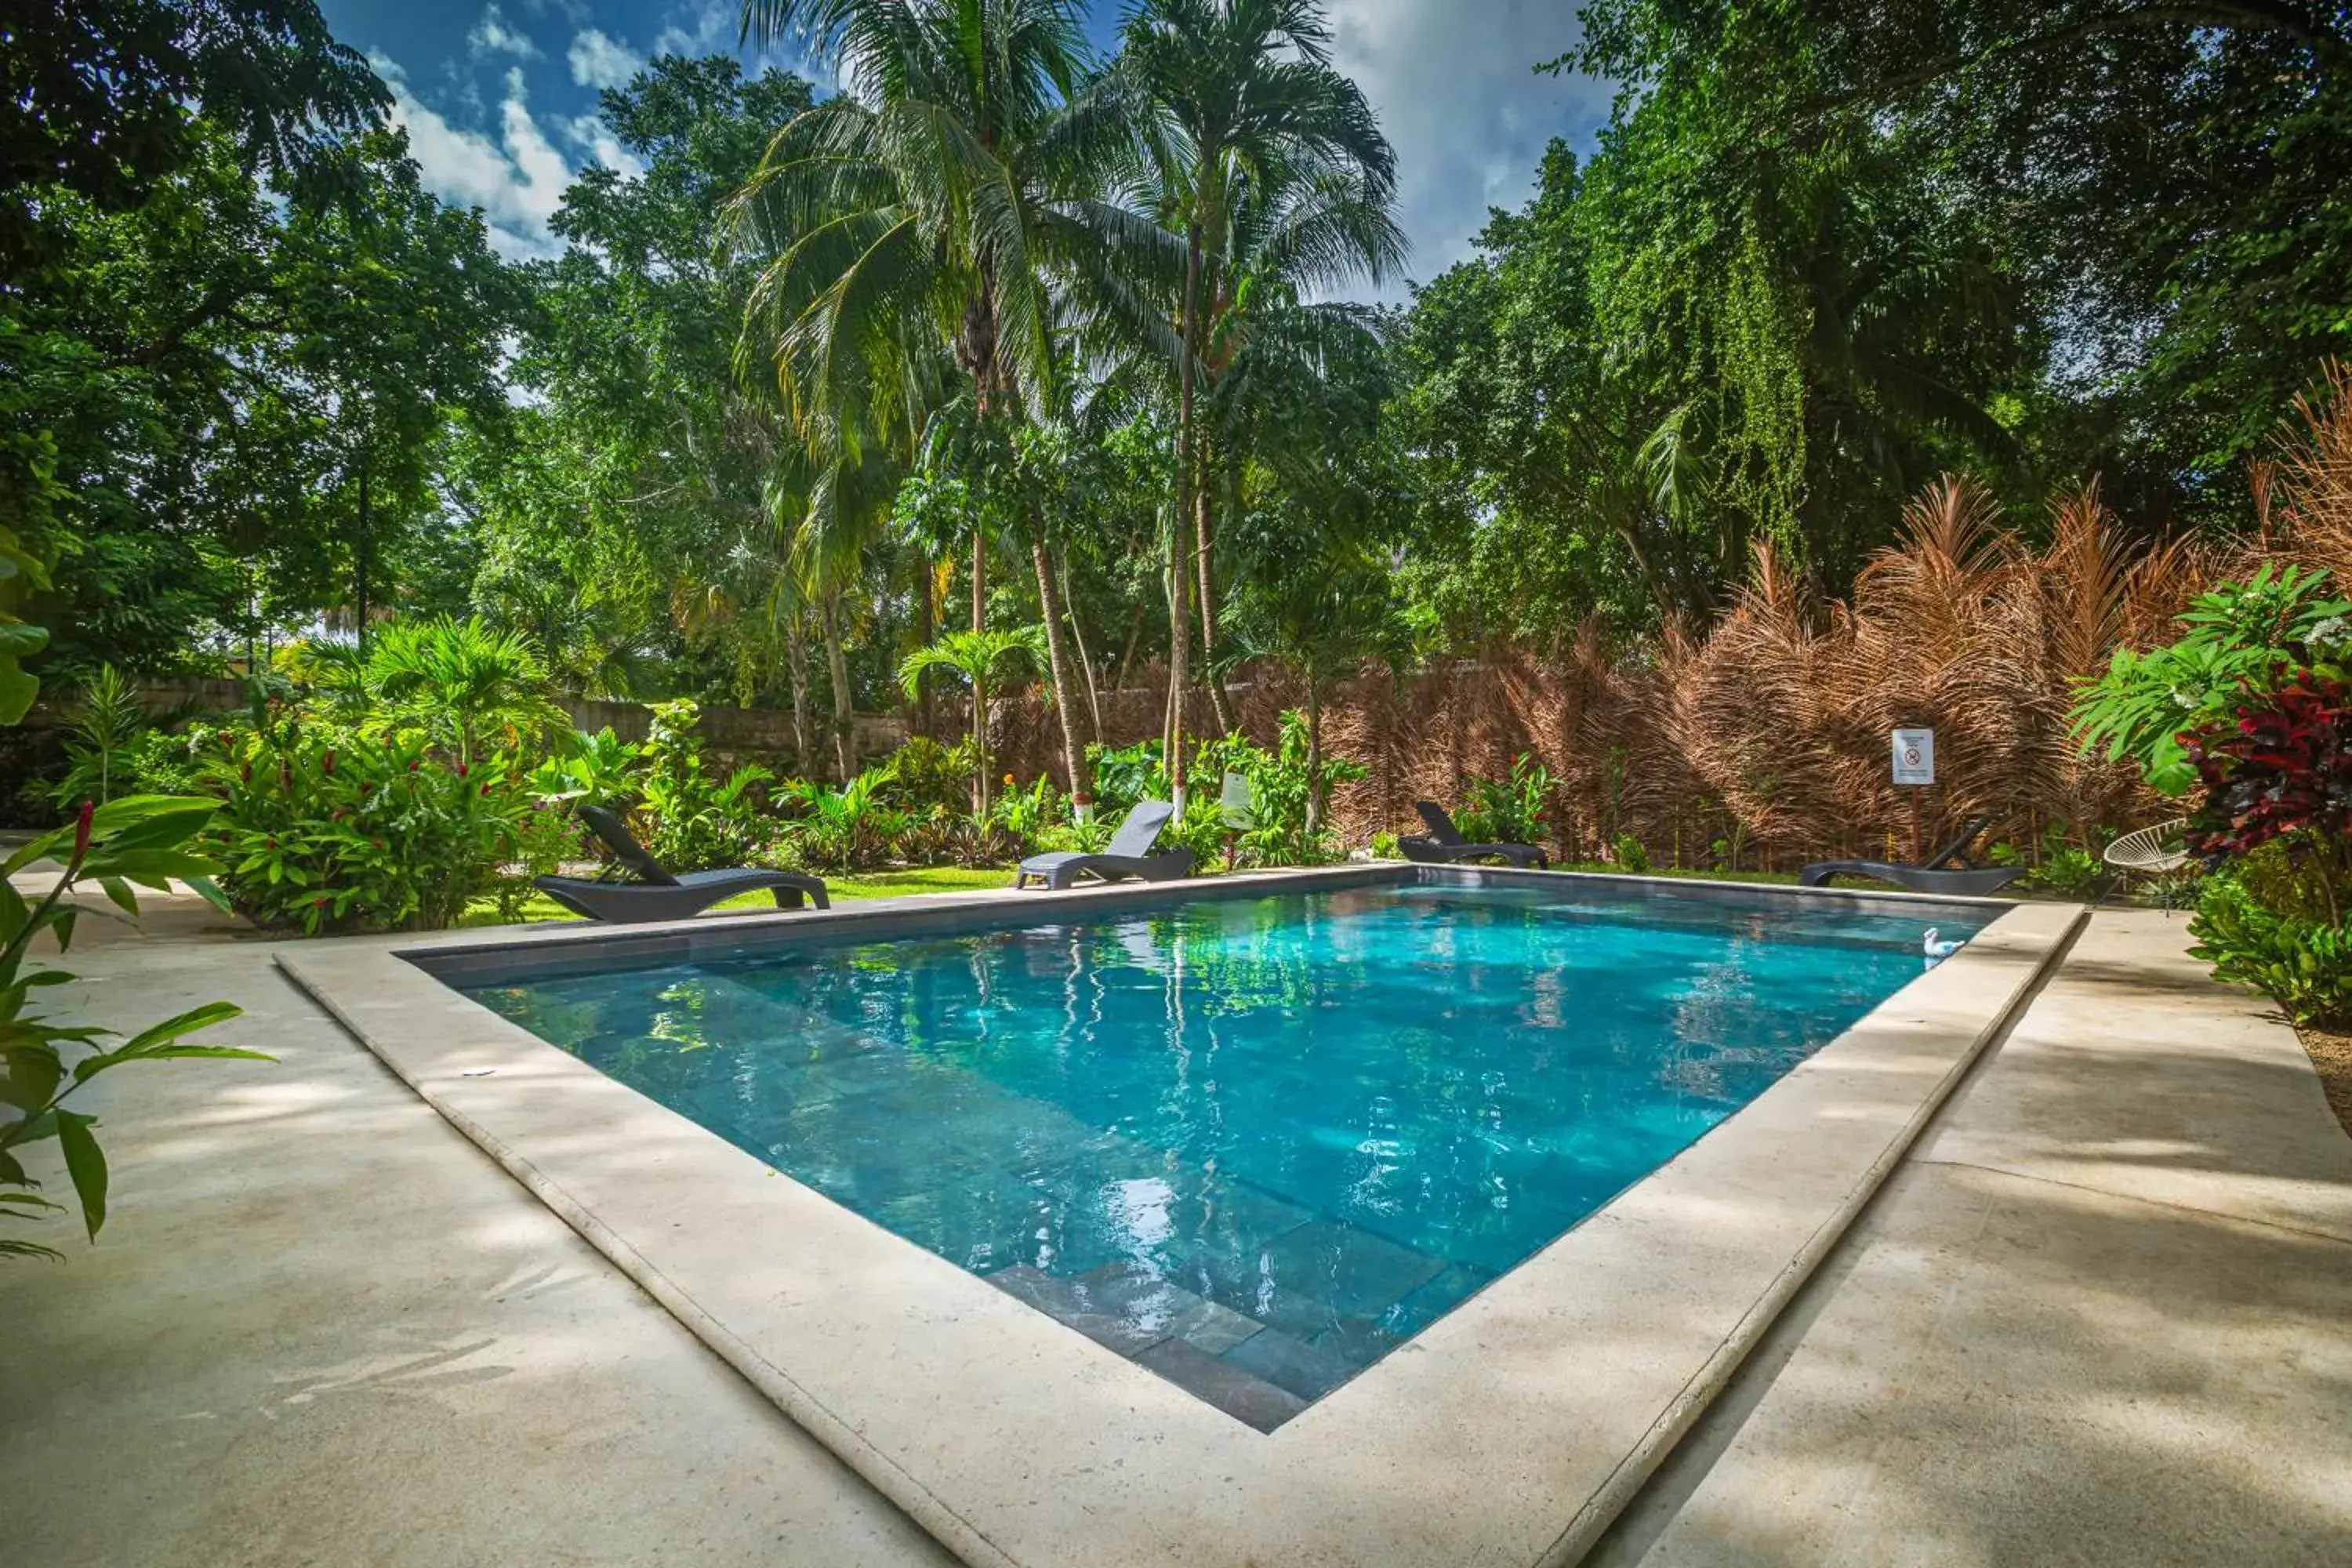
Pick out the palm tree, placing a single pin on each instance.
(957, 179)
(977, 658)
(1245, 98)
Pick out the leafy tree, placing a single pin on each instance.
(1273, 167)
(957, 188)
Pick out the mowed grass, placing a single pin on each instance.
(861, 885)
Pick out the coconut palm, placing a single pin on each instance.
(979, 657)
(959, 180)
(1244, 100)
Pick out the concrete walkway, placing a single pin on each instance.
(322, 1328)
(2104, 1315)
(2100, 1317)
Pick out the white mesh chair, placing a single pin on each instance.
(2159, 852)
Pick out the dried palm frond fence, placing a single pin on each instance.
(1765, 742)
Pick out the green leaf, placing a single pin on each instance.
(209, 890)
(34, 1074)
(86, 1164)
(18, 640)
(187, 1022)
(17, 691)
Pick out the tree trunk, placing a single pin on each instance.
(979, 748)
(837, 663)
(363, 560)
(1085, 661)
(1214, 678)
(979, 578)
(1180, 564)
(796, 667)
(927, 632)
(1057, 661)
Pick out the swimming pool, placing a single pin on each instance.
(1252, 1144)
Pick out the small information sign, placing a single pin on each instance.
(1915, 757)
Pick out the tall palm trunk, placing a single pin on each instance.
(1057, 660)
(1181, 567)
(796, 666)
(1204, 532)
(979, 746)
(1086, 661)
(836, 663)
(978, 577)
(926, 634)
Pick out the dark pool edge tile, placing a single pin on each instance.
(1246, 1398)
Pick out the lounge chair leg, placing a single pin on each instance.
(790, 898)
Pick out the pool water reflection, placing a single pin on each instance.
(1252, 1144)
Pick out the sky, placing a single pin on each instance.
(500, 96)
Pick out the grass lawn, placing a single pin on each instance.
(863, 885)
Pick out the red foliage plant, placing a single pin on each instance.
(2286, 769)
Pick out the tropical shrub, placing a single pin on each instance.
(1125, 775)
(470, 689)
(134, 840)
(2243, 641)
(1512, 810)
(329, 830)
(103, 736)
(2304, 963)
(599, 769)
(692, 819)
(924, 774)
(1630, 856)
(844, 829)
(1026, 816)
(2275, 826)
(547, 838)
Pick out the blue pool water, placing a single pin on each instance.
(1254, 1143)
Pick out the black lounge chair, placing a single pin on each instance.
(1130, 855)
(1946, 871)
(1444, 844)
(658, 895)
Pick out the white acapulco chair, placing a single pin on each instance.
(2157, 851)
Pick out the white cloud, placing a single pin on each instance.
(595, 142)
(516, 178)
(600, 60)
(492, 36)
(1456, 91)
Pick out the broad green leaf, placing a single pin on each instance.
(34, 1074)
(17, 692)
(86, 1164)
(209, 890)
(18, 640)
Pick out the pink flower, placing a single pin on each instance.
(81, 830)
(328, 766)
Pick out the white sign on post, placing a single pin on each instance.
(1915, 757)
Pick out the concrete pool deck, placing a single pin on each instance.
(2099, 1308)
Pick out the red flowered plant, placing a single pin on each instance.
(2282, 773)
(2285, 767)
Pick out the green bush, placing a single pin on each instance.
(1632, 859)
(327, 830)
(924, 774)
(845, 829)
(2259, 925)
(692, 820)
(1511, 810)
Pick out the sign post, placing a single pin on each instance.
(1915, 769)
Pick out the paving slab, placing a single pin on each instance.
(2099, 1317)
(322, 1328)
